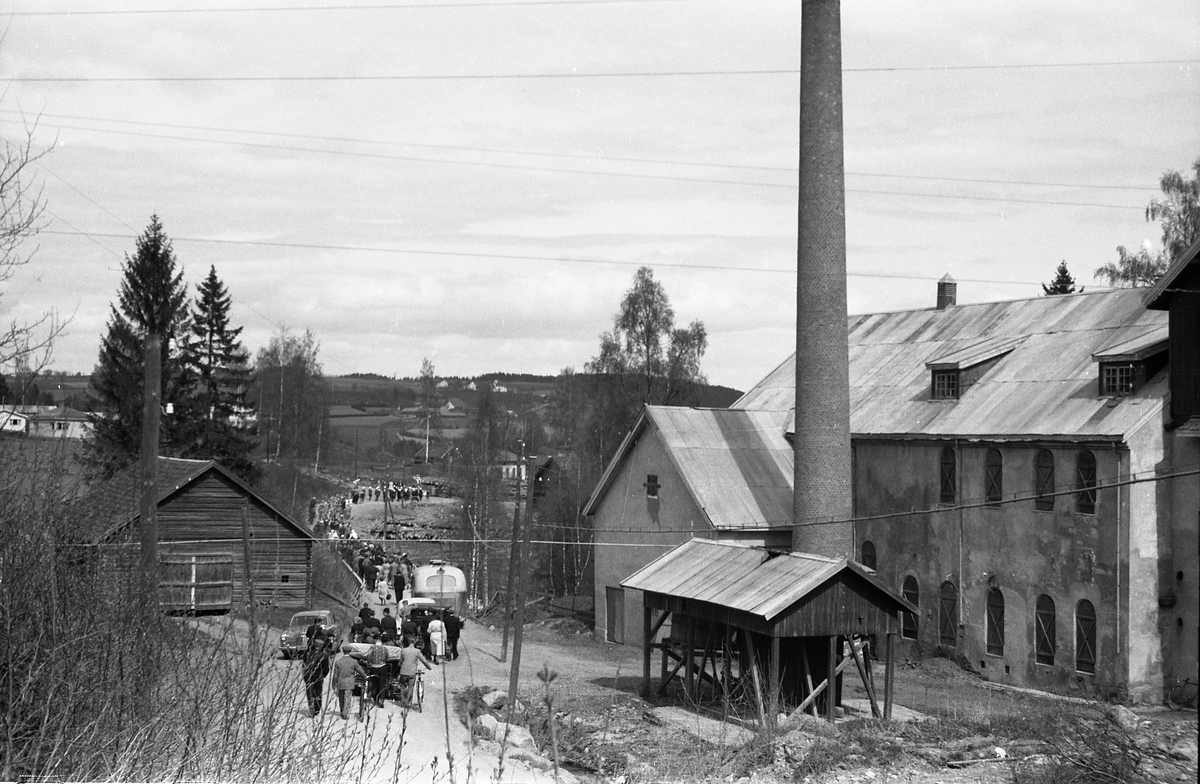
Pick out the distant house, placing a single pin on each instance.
(471, 386)
(443, 384)
(60, 422)
(13, 421)
(200, 530)
(1024, 473)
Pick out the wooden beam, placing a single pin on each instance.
(704, 659)
(831, 696)
(889, 678)
(862, 672)
(647, 648)
(773, 681)
(689, 655)
(754, 676)
(811, 698)
(659, 623)
(807, 671)
(667, 678)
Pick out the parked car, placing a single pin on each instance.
(294, 642)
(405, 606)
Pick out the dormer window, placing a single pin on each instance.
(1128, 363)
(945, 385)
(955, 372)
(1116, 378)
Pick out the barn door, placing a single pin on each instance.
(196, 583)
(614, 614)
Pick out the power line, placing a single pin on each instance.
(590, 172)
(567, 74)
(542, 153)
(336, 8)
(522, 257)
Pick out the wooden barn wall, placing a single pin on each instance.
(210, 510)
(846, 605)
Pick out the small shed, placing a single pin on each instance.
(778, 627)
(210, 526)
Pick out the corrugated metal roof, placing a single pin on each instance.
(1135, 347)
(1047, 386)
(976, 353)
(742, 578)
(736, 463)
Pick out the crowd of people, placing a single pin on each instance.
(390, 491)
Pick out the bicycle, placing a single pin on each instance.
(412, 693)
(1182, 694)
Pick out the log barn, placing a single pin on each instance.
(210, 524)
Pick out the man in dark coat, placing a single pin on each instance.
(388, 625)
(454, 626)
(316, 669)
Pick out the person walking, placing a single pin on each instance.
(437, 638)
(399, 580)
(346, 672)
(454, 626)
(388, 625)
(410, 660)
(377, 670)
(315, 670)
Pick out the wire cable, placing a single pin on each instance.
(525, 257)
(570, 75)
(791, 170)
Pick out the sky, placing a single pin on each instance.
(476, 183)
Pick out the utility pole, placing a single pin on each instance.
(514, 673)
(151, 411)
(514, 554)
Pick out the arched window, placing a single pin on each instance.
(949, 475)
(993, 468)
(1085, 636)
(948, 615)
(1085, 483)
(912, 594)
(868, 555)
(995, 622)
(1043, 481)
(1044, 630)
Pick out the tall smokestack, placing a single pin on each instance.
(821, 505)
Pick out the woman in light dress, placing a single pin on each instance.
(437, 639)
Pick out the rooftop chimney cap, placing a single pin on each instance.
(947, 292)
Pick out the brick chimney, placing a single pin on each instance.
(947, 292)
(821, 504)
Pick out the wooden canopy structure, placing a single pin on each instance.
(779, 626)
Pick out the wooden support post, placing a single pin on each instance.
(689, 656)
(774, 684)
(889, 677)
(831, 687)
(704, 660)
(862, 673)
(647, 647)
(726, 673)
(666, 651)
(754, 676)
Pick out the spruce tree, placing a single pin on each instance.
(220, 371)
(152, 297)
(1063, 283)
